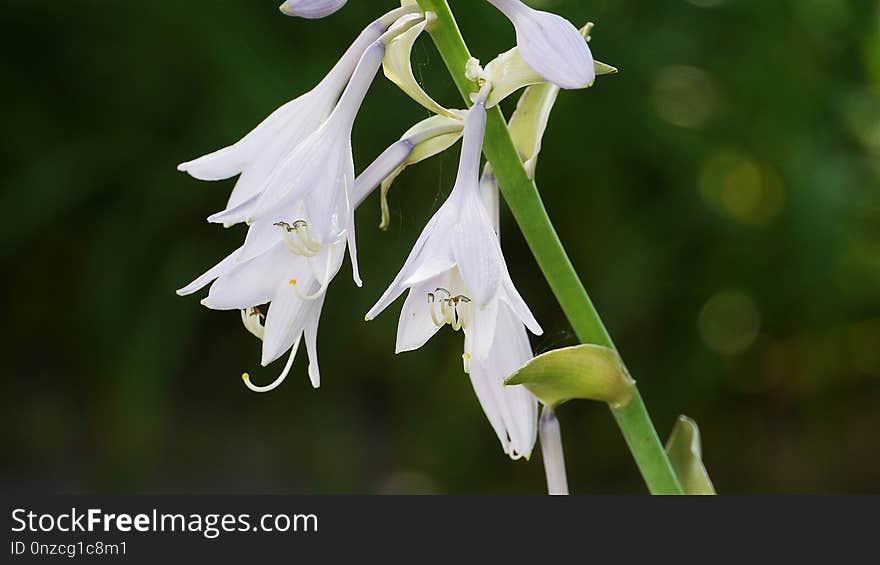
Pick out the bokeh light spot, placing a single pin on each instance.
(742, 188)
(684, 96)
(729, 322)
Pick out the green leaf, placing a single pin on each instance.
(686, 456)
(588, 372)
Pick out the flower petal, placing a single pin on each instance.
(311, 9)
(482, 384)
(491, 197)
(434, 231)
(481, 330)
(231, 161)
(476, 251)
(221, 164)
(512, 411)
(253, 282)
(285, 321)
(311, 335)
(241, 212)
(416, 326)
(428, 269)
(519, 306)
(214, 272)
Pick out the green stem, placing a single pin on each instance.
(521, 195)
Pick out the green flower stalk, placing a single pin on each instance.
(524, 201)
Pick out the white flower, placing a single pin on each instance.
(312, 186)
(550, 44)
(291, 275)
(287, 281)
(256, 155)
(456, 273)
(512, 410)
(311, 9)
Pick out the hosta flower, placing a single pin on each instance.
(456, 274)
(257, 154)
(311, 9)
(550, 44)
(312, 187)
(286, 281)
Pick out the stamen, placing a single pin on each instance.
(307, 238)
(323, 288)
(432, 309)
(301, 243)
(454, 310)
(277, 382)
(456, 317)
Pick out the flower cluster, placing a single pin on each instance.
(297, 193)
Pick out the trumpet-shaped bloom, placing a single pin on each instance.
(307, 199)
(456, 273)
(550, 44)
(287, 281)
(257, 154)
(311, 9)
(512, 410)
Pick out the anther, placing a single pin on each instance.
(301, 242)
(454, 310)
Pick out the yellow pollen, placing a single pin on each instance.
(245, 376)
(292, 282)
(467, 355)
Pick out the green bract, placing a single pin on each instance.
(398, 68)
(587, 372)
(686, 457)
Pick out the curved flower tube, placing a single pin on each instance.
(258, 153)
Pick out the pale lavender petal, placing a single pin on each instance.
(311, 9)
(416, 326)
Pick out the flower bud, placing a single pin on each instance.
(311, 9)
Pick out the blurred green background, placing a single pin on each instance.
(720, 198)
